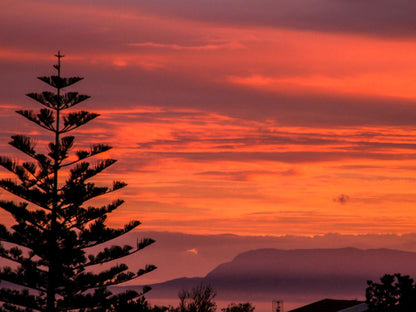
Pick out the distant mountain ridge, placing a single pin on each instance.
(187, 255)
(307, 262)
(264, 274)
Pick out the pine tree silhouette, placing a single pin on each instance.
(48, 245)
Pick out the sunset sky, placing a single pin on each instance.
(262, 117)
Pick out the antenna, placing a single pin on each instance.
(58, 67)
(277, 306)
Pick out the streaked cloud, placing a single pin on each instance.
(384, 18)
(230, 45)
(233, 116)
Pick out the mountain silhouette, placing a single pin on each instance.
(273, 273)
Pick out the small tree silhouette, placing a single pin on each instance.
(240, 307)
(395, 293)
(52, 268)
(198, 299)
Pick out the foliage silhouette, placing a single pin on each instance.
(241, 307)
(395, 293)
(198, 299)
(48, 245)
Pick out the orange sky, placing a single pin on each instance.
(272, 120)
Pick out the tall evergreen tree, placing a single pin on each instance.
(48, 246)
